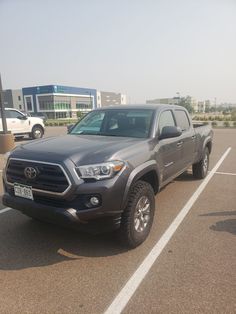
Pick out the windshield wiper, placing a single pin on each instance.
(107, 134)
(83, 133)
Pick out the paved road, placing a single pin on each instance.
(47, 269)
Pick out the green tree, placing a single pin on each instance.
(79, 115)
(186, 103)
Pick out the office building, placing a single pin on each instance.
(169, 101)
(110, 98)
(13, 98)
(58, 101)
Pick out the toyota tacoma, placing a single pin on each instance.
(105, 173)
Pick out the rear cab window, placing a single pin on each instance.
(182, 119)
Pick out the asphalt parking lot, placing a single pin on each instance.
(48, 269)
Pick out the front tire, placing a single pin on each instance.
(200, 169)
(137, 218)
(37, 132)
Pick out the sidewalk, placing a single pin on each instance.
(1, 161)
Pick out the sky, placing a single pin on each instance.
(146, 49)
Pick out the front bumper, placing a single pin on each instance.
(68, 217)
(70, 208)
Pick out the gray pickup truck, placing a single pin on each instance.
(105, 173)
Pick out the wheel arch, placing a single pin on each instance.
(38, 125)
(147, 172)
(209, 146)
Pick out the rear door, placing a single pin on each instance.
(168, 151)
(187, 138)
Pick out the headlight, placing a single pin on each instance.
(5, 159)
(100, 171)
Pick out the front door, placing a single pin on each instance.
(16, 122)
(168, 151)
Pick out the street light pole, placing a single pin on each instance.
(6, 138)
(4, 122)
(178, 93)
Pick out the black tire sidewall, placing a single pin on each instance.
(206, 152)
(144, 189)
(35, 128)
(198, 168)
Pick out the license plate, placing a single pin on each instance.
(23, 191)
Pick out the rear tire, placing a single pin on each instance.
(37, 132)
(137, 218)
(200, 169)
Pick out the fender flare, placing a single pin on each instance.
(136, 174)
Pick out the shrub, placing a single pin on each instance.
(234, 124)
(214, 124)
(226, 124)
(233, 115)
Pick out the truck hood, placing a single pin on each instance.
(81, 149)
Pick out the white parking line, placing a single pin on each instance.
(227, 173)
(4, 210)
(133, 283)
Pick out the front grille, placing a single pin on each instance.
(79, 202)
(50, 178)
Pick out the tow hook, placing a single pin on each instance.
(73, 213)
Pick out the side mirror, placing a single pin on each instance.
(22, 117)
(169, 132)
(69, 128)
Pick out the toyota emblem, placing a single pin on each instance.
(30, 173)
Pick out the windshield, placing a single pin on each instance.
(116, 122)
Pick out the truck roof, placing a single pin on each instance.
(142, 106)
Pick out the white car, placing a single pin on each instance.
(20, 124)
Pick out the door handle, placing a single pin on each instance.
(180, 143)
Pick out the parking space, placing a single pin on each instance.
(196, 272)
(48, 269)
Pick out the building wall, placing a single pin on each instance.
(169, 101)
(7, 98)
(99, 99)
(18, 101)
(59, 101)
(123, 99)
(110, 98)
(13, 98)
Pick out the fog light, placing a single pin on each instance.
(94, 201)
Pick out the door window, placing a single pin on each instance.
(166, 119)
(13, 114)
